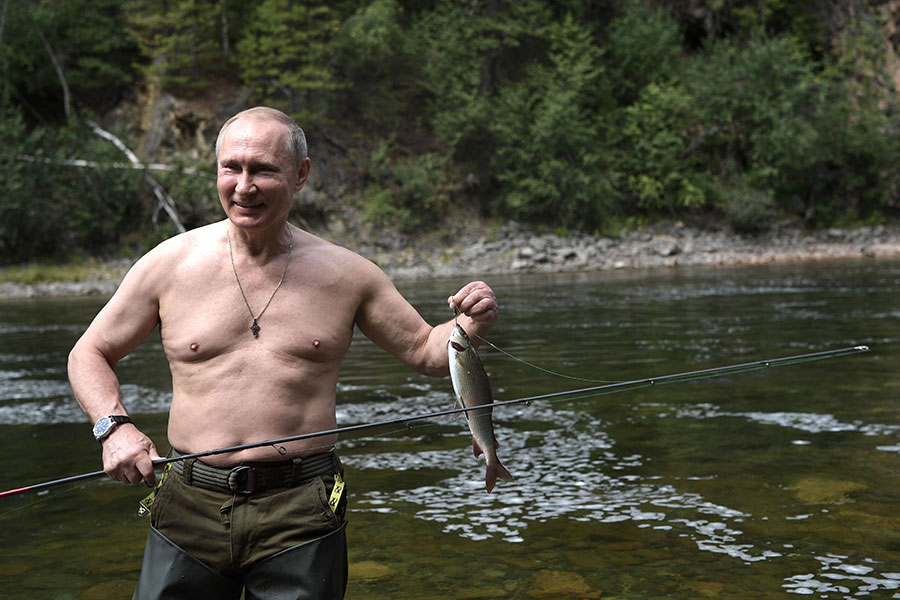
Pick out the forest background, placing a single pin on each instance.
(567, 115)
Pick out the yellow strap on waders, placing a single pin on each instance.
(147, 503)
(336, 492)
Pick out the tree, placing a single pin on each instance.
(283, 55)
(553, 158)
(376, 65)
(182, 42)
(77, 47)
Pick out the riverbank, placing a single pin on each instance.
(514, 249)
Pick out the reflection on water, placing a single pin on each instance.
(836, 576)
(778, 482)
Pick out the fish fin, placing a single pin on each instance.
(503, 474)
(476, 449)
(491, 474)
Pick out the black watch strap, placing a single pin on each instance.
(105, 425)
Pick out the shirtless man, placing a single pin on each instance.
(255, 316)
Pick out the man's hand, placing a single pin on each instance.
(476, 300)
(128, 455)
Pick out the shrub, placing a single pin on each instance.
(406, 193)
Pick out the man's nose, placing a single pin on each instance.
(245, 183)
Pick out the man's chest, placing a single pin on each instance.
(214, 317)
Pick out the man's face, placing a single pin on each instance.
(256, 176)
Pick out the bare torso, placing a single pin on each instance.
(231, 388)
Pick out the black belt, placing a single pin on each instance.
(250, 477)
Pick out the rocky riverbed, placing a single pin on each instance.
(511, 249)
(514, 249)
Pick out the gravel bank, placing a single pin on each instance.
(513, 249)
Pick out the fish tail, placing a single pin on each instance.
(493, 472)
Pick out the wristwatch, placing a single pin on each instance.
(105, 425)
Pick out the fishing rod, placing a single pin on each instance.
(590, 391)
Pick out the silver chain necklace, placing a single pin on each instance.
(255, 326)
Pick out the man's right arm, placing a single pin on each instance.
(126, 320)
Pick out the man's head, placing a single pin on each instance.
(261, 163)
(296, 140)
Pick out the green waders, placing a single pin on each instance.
(304, 572)
(275, 531)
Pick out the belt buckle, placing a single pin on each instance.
(242, 480)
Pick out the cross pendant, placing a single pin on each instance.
(255, 329)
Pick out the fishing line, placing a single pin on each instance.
(532, 365)
(405, 422)
(46, 496)
(542, 369)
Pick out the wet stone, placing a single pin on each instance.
(370, 569)
(816, 490)
(561, 584)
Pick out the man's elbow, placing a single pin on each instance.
(435, 370)
(82, 356)
(76, 361)
(431, 366)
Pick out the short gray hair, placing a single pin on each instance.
(296, 142)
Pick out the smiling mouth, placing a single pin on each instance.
(245, 205)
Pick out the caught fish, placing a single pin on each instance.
(472, 388)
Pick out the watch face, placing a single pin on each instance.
(102, 427)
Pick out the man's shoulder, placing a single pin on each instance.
(185, 245)
(335, 252)
(174, 254)
(333, 264)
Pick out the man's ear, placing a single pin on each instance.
(302, 173)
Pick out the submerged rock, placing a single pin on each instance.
(816, 490)
(370, 569)
(561, 584)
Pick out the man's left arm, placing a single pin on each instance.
(386, 318)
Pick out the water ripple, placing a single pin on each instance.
(849, 579)
(40, 402)
(808, 422)
(574, 472)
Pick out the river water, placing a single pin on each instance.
(777, 483)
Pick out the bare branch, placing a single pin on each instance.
(166, 202)
(92, 164)
(59, 72)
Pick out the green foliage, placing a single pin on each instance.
(87, 40)
(661, 133)
(405, 193)
(192, 185)
(32, 273)
(283, 55)
(21, 222)
(781, 125)
(643, 46)
(573, 114)
(47, 206)
(182, 41)
(469, 53)
(551, 162)
(747, 209)
(741, 19)
(370, 50)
